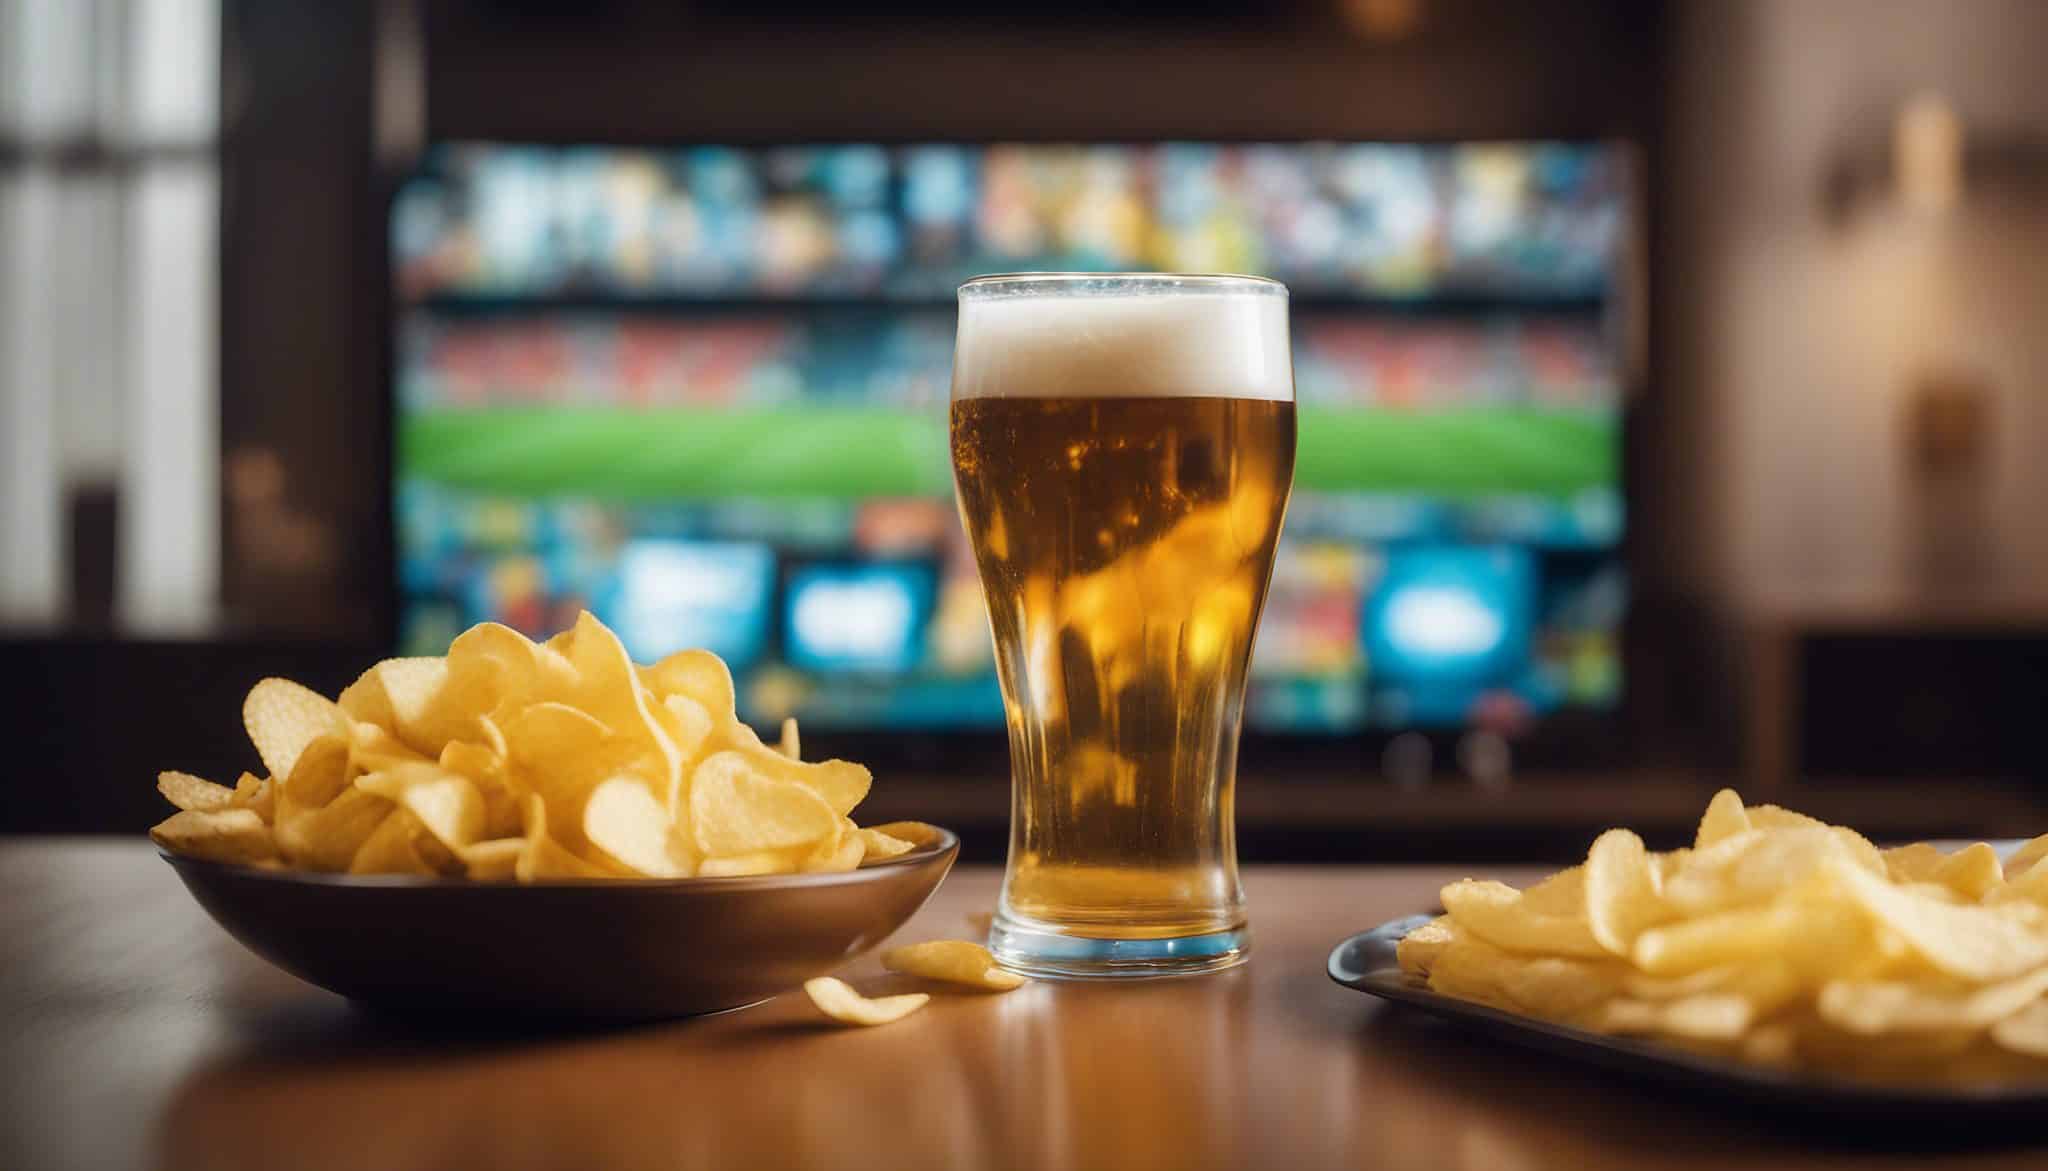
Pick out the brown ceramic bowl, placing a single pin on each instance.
(611, 951)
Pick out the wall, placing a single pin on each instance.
(1793, 332)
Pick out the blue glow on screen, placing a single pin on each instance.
(1449, 613)
(858, 618)
(712, 594)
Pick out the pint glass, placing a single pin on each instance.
(1123, 446)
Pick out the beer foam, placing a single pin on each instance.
(1144, 343)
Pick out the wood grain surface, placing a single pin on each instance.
(137, 1034)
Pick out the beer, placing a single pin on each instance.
(1123, 457)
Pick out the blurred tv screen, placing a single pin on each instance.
(701, 391)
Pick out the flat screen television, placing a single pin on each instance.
(701, 391)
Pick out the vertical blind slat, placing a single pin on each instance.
(31, 539)
(170, 490)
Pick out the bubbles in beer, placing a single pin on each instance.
(1124, 586)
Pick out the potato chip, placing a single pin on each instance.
(954, 961)
(877, 845)
(1418, 949)
(703, 678)
(446, 804)
(1623, 895)
(1778, 817)
(1724, 818)
(282, 717)
(365, 702)
(834, 852)
(1752, 868)
(756, 863)
(474, 760)
(840, 1002)
(372, 748)
(623, 821)
(258, 794)
(1693, 883)
(2026, 858)
(1706, 1017)
(487, 770)
(2028, 887)
(493, 737)
(562, 754)
(1912, 863)
(917, 833)
(840, 784)
(689, 727)
(189, 793)
(1972, 872)
(1668, 865)
(319, 774)
(736, 809)
(408, 698)
(327, 837)
(493, 860)
(437, 854)
(1719, 939)
(222, 835)
(1571, 990)
(544, 857)
(548, 737)
(390, 848)
(1772, 817)
(1495, 912)
(2025, 1031)
(493, 668)
(1860, 849)
(1563, 893)
(494, 651)
(1969, 943)
(1767, 984)
(698, 675)
(552, 671)
(790, 746)
(835, 856)
(687, 723)
(1883, 1006)
(608, 687)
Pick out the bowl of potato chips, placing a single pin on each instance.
(1777, 952)
(545, 829)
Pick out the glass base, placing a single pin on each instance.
(1035, 951)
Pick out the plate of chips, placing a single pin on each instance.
(542, 830)
(1777, 959)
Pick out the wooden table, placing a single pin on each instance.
(138, 1034)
